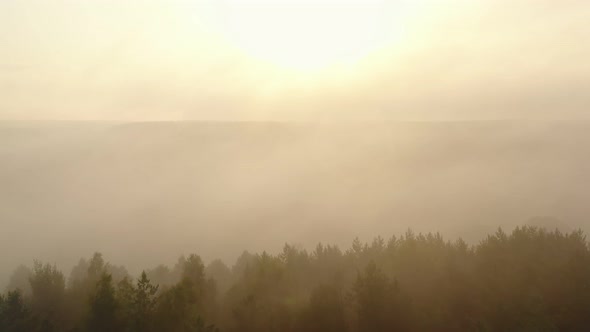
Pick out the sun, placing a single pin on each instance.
(311, 35)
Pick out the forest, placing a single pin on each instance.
(529, 279)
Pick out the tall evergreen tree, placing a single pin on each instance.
(103, 314)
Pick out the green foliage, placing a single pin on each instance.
(184, 306)
(326, 311)
(14, 315)
(48, 295)
(138, 303)
(380, 306)
(103, 307)
(179, 308)
(528, 280)
(144, 300)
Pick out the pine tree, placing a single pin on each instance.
(103, 307)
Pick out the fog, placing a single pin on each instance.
(294, 165)
(181, 60)
(144, 193)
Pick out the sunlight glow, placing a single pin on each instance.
(309, 37)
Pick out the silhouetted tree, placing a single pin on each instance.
(143, 304)
(183, 307)
(103, 314)
(379, 303)
(48, 295)
(529, 279)
(325, 312)
(14, 315)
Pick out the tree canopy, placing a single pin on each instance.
(530, 279)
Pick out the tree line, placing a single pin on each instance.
(530, 279)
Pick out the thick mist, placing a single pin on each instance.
(176, 60)
(144, 193)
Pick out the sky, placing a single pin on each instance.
(302, 60)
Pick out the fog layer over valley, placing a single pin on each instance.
(144, 193)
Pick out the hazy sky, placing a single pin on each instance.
(244, 60)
